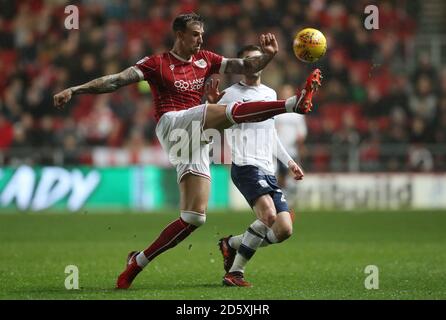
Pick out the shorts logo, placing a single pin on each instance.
(183, 85)
(263, 183)
(201, 63)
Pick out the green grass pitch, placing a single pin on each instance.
(324, 259)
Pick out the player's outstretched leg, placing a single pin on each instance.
(256, 111)
(262, 110)
(173, 234)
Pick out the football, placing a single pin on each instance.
(309, 45)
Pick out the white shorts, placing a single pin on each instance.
(180, 134)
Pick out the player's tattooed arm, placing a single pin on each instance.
(105, 84)
(108, 83)
(249, 65)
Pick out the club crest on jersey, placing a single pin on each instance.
(201, 63)
(172, 67)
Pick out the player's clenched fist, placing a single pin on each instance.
(62, 97)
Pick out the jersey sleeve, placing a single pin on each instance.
(146, 67)
(280, 152)
(274, 94)
(216, 61)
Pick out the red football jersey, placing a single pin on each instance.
(178, 84)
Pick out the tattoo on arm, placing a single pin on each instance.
(247, 65)
(108, 83)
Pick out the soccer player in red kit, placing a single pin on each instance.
(177, 82)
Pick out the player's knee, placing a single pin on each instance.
(196, 206)
(194, 218)
(268, 216)
(284, 232)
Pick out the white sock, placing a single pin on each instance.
(290, 103)
(270, 238)
(235, 241)
(141, 259)
(252, 239)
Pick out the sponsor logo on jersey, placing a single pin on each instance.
(183, 85)
(201, 63)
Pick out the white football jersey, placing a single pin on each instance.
(254, 143)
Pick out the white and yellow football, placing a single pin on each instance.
(309, 45)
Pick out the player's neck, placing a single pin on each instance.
(252, 82)
(178, 51)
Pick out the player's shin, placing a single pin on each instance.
(173, 234)
(270, 238)
(239, 112)
(252, 239)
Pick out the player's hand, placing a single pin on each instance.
(211, 91)
(62, 97)
(297, 171)
(269, 44)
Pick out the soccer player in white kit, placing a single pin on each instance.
(176, 79)
(253, 147)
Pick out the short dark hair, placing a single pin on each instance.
(247, 48)
(181, 21)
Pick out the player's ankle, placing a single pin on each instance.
(290, 104)
(141, 260)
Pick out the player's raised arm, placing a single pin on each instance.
(251, 65)
(105, 84)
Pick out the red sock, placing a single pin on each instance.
(256, 111)
(173, 234)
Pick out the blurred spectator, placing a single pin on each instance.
(424, 68)
(6, 133)
(344, 139)
(395, 142)
(374, 106)
(423, 101)
(71, 153)
(420, 159)
(99, 123)
(20, 148)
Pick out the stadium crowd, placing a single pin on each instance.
(372, 108)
